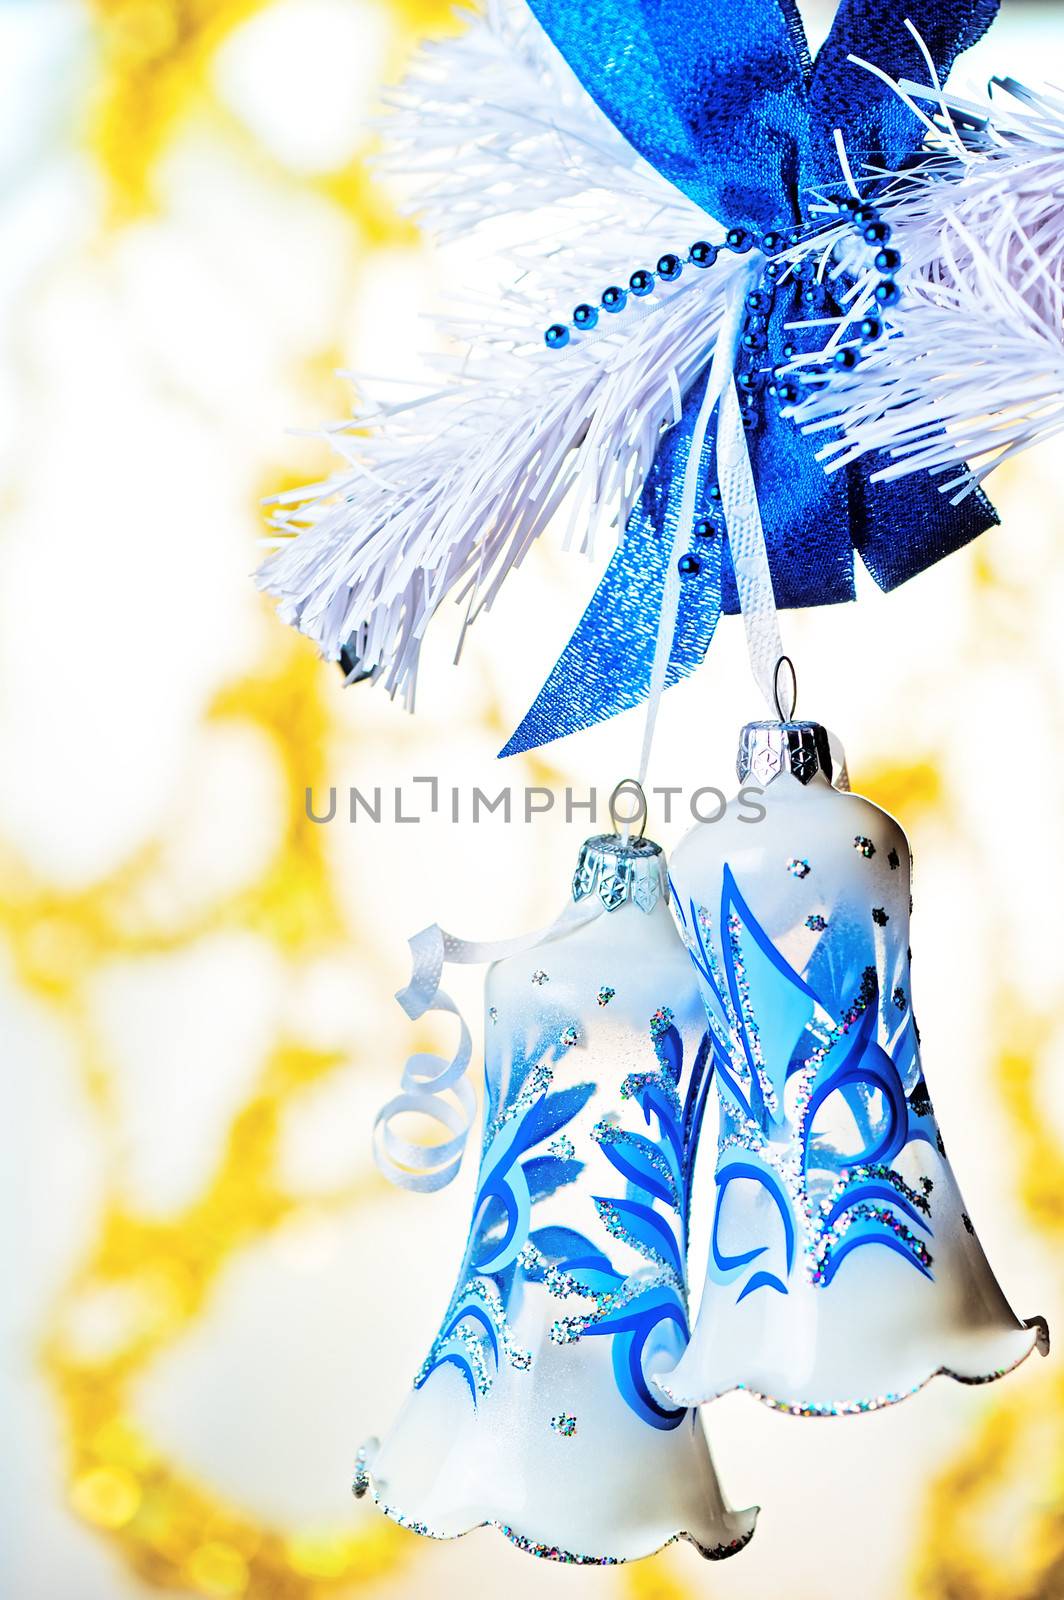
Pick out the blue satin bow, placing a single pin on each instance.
(723, 99)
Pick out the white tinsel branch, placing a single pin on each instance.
(495, 124)
(447, 493)
(973, 368)
(444, 493)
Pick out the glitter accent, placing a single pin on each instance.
(798, 868)
(539, 976)
(865, 995)
(605, 995)
(648, 1151)
(564, 1424)
(569, 1035)
(661, 1020)
(853, 1408)
(866, 1212)
(360, 1476)
(899, 998)
(485, 1295)
(493, 1013)
(865, 846)
(880, 916)
(893, 859)
(567, 1330)
(550, 1552)
(536, 1084)
(749, 1016)
(920, 1100)
(816, 923)
(563, 1147)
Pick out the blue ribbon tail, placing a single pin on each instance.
(605, 668)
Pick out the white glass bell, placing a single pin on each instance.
(844, 1271)
(535, 1409)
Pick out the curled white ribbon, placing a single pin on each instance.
(431, 1085)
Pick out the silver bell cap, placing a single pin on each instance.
(768, 748)
(619, 870)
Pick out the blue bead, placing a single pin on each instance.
(613, 298)
(749, 381)
(848, 205)
(713, 491)
(846, 359)
(669, 267)
(753, 339)
(689, 566)
(865, 214)
(739, 240)
(888, 261)
(758, 300)
(704, 529)
(772, 243)
(812, 294)
(887, 292)
(585, 316)
(556, 336)
(789, 352)
(787, 393)
(871, 328)
(877, 233)
(641, 281)
(702, 253)
(775, 269)
(751, 420)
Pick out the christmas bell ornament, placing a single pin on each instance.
(535, 1409)
(844, 1270)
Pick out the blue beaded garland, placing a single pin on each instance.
(689, 566)
(865, 214)
(613, 298)
(702, 253)
(888, 260)
(871, 328)
(556, 336)
(669, 267)
(846, 359)
(585, 316)
(758, 300)
(772, 243)
(787, 393)
(739, 240)
(877, 233)
(641, 282)
(704, 529)
(887, 292)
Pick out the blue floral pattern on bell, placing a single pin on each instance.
(571, 1296)
(841, 1275)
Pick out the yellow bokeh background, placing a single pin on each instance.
(211, 1298)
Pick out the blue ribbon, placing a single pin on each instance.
(725, 102)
